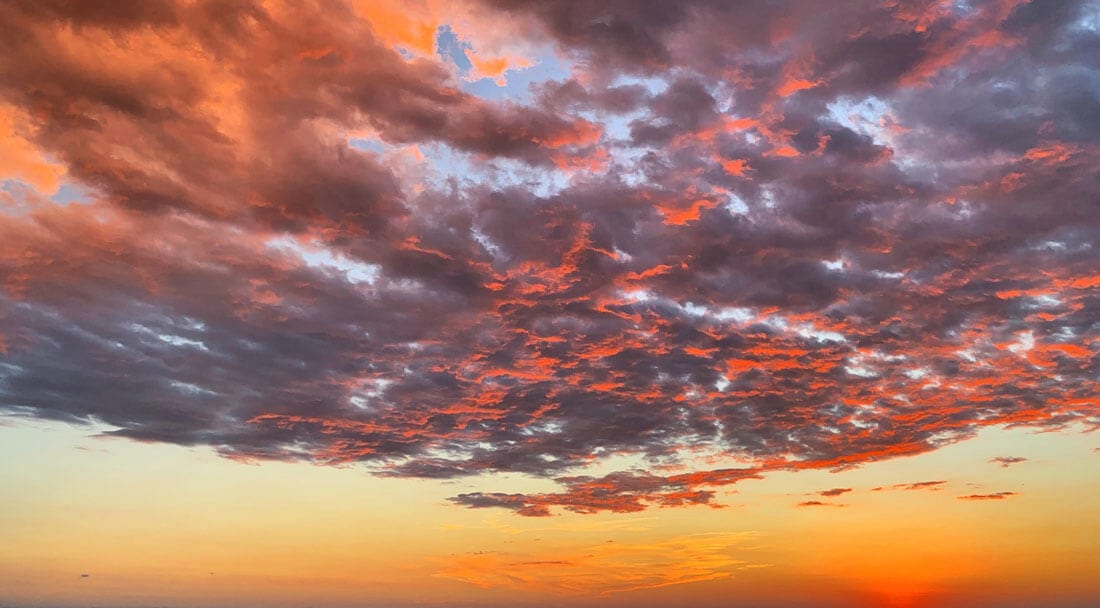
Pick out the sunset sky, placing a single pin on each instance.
(485, 303)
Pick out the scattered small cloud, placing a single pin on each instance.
(1007, 461)
(920, 485)
(993, 496)
(834, 492)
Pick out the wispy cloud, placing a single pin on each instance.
(608, 568)
(818, 503)
(993, 496)
(920, 485)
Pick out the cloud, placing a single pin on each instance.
(994, 496)
(622, 492)
(834, 492)
(818, 503)
(920, 485)
(1007, 461)
(924, 485)
(608, 568)
(757, 236)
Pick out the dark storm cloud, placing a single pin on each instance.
(817, 240)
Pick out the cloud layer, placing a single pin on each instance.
(776, 235)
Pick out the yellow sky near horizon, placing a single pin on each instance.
(165, 525)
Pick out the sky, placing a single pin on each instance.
(480, 303)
